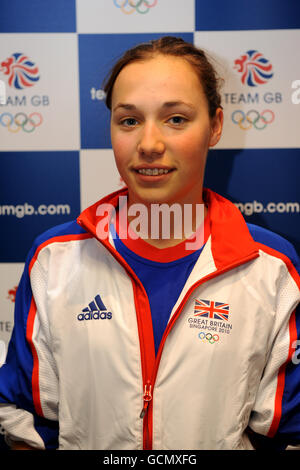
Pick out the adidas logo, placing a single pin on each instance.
(96, 310)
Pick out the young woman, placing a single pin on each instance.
(136, 341)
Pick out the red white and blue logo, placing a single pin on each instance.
(211, 309)
(21, 71)
(254, 68)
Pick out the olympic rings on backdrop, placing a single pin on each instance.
(208, 337)
(253, 118)
(141, 6)
(21, 121)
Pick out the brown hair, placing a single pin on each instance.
(169, 45)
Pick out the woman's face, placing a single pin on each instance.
(161, 131)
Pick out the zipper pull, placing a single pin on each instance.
(147, 398)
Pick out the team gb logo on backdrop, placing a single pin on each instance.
(22, 74)
(255, 69)
(21, 71)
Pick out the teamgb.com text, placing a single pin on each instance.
(256, 207)
(21, 210)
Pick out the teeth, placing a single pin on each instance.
(153, 171)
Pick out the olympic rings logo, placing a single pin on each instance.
(253, 119)
(208, 337)
(21, 121)
(130, 6)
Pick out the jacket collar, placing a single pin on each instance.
(231, 242)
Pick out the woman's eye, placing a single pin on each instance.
(177, 120)
(129, 122)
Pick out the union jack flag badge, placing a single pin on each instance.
(211, 309)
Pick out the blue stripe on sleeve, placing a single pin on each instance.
(15, 380)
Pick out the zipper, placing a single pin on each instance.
(145, 415)
(147, 398)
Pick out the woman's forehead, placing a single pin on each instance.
(170, 75)
(159, 63)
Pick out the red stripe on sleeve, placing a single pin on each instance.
(35, 370)
(281, 378)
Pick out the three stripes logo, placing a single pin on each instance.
(96, 310)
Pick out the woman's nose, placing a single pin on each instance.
(151, 143)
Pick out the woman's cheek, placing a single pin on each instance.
(122, 147)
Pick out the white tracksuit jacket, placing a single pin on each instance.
(82, 350)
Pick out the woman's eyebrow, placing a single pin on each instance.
(125, 106)
(171, 104)
(167, 104)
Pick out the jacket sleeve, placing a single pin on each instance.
(276, 413)
(28, 379)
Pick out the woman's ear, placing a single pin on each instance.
(216, 127)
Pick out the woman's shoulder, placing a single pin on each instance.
(276, 242)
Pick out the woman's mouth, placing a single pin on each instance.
(153, 171)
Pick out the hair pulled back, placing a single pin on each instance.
(172, 46)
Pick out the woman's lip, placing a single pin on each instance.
(152, 178)
(158, 167)
(159, 170)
